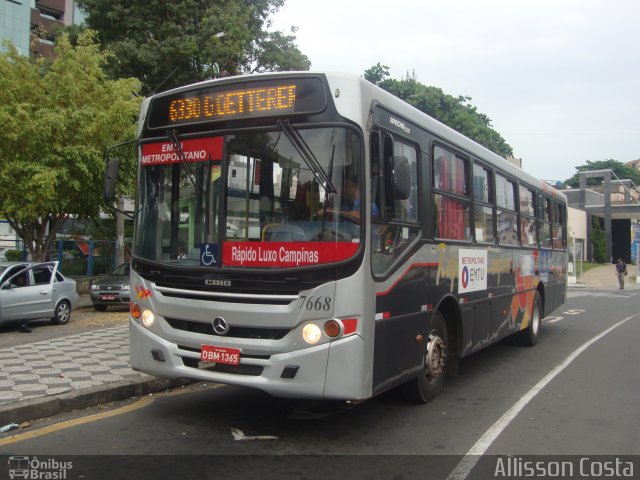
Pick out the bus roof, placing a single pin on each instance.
(399, 107)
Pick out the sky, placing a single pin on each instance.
(559, 79)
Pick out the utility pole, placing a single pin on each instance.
(120, 232)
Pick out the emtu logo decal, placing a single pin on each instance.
(472, 270)
(465, 277)
(142, 293)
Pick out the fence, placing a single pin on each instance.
(78, 258)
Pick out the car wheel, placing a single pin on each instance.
(100, 308)
(430, 381)
(529, 336)
(62, 313)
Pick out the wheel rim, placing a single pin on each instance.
(63, 312)
(436, 357)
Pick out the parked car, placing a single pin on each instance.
(112, 289)
(30, 290)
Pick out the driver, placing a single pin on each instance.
(350, 198)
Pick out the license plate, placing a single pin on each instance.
(107, 296)
(228, 356)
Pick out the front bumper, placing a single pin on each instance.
(268, 373)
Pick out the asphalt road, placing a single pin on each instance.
(575, 393)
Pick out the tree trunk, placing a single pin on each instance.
(39, 234)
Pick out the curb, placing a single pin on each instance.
(41, 407)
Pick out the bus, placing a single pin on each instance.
(313, 236)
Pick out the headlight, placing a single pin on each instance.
(95, 287)
(126, 287)
(148, 318)
(311, 333)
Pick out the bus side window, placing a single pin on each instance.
(398, 226)
(451, 197)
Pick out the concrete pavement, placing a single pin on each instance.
(72, 372)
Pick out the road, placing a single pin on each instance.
(575, 393)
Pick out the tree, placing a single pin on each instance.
(377, 73)
(455, 112)
(57, 118)
(598, 243)
(167, 44)
(619, 169)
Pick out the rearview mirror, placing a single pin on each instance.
(110, 179)
(401, 178)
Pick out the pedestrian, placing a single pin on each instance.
(621, 271)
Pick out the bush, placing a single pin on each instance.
(13, 255)
(598, 242)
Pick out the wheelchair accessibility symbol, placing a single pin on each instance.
(208, 254)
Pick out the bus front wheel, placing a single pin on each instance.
(430, 381)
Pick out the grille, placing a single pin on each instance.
(213, 298)
(234, 331)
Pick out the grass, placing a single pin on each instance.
(586, 266)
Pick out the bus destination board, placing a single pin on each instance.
(247, 99)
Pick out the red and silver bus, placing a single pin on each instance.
(313, 236)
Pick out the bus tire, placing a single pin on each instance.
(426, 386)
(529, 336)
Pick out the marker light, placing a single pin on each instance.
(135, 311)
(148, 318)
(311, 333)
(332, 328)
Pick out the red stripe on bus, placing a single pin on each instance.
(404, 274)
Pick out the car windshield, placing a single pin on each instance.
(121, 270)
(280, 198)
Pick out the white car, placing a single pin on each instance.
(36, 290)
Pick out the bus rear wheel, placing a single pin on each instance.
(426, 386)
(529, 336)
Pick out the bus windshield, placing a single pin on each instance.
(281, 198)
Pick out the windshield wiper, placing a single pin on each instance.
(307, 155)
(190, 172)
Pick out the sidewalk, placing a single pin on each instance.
(43, 378)
(71, 372)
(604, 278)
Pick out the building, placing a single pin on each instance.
(633, 164)
(616, 203)
(32, 26)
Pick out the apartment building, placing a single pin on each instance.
(32, 25)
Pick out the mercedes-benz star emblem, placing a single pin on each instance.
(220, 326)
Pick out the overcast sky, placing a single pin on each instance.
(560, 79)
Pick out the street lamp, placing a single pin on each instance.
(215, 68)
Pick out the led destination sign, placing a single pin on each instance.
(240, 100)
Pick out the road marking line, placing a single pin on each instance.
(141, 403)
(553, 319)
(472, 457)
